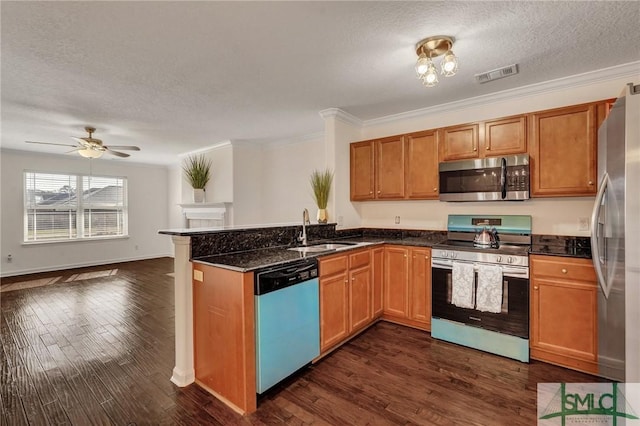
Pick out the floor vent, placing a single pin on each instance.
(497, 73)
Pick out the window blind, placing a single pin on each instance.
(65, 207)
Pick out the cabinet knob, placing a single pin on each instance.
(370, 192)
(475, 149)
(535, 287)
(353, 278)
(378, 192)
(426, 257)
(564, 271)
(487, 148)
(405, 255)
(435, 189)
(591, 182)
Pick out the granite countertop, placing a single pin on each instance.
(557, 245)
(251, 260)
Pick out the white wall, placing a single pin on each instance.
(246, 184)
(286, 167)
(147, 193)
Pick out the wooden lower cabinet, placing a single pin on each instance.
(223, 312)
(564, 322)
(346, 296)
(420, 286)
(377, 276)
(407, 286)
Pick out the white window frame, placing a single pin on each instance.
(79, 210)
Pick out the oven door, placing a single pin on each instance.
(514, 316)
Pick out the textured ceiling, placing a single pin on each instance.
(172, 77)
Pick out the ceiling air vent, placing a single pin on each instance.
(497, 73)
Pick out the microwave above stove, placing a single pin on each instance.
(486, 179)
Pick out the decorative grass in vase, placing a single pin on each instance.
(197, 170)
(321, 186)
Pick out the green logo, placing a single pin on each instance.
(603, 403)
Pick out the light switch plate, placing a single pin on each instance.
(198, 275)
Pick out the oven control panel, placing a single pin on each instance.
(483, 257)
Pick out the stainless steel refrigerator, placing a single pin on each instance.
(615, 239)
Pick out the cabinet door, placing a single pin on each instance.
(459, 142)
(563, 151)
(505, 136)
(420, 286)
(362, 170)
(389, 174)
(396, 281)
(334, 310)
(421, 169)
(377, 269)
(564, 312)
(359, 298)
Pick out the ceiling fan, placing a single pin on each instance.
(91, 147)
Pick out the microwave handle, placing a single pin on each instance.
(503, 177)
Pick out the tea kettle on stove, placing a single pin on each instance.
(486, 238)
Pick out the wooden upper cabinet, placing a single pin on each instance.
(459, 142)
(421, 165)
(389, 170)
(505, 136)
(563, 151)
(362, 171)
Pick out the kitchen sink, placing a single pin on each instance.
(317, 248)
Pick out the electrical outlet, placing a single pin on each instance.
(583, 224)
(9, 258)
(397, 220)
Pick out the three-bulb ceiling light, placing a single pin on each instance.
(430, 48)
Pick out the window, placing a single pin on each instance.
(73, 207)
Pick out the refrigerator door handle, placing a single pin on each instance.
(598, 260)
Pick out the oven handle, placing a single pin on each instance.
(508, 271)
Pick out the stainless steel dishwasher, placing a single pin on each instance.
(287, 310)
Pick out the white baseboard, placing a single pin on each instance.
(81, 265)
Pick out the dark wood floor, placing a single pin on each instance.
(100, 351)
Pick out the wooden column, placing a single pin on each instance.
(183, 372)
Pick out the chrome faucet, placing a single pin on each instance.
(305, 221)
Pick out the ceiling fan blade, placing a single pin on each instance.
(125, 147)
(50, 143)
(82, 141)
(119, 154)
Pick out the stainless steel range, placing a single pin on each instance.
(480, 284)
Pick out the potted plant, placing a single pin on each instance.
(197, 170)
(321, 186)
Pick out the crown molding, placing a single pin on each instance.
(631, 70)
(205, 149)
(341, 115)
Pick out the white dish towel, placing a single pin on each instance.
(462, 285)
(489, 296)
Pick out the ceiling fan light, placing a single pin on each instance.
(90, 153)
(449, 65)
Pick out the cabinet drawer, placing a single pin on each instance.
(360, 258)
(333, 265)
(570, 269)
